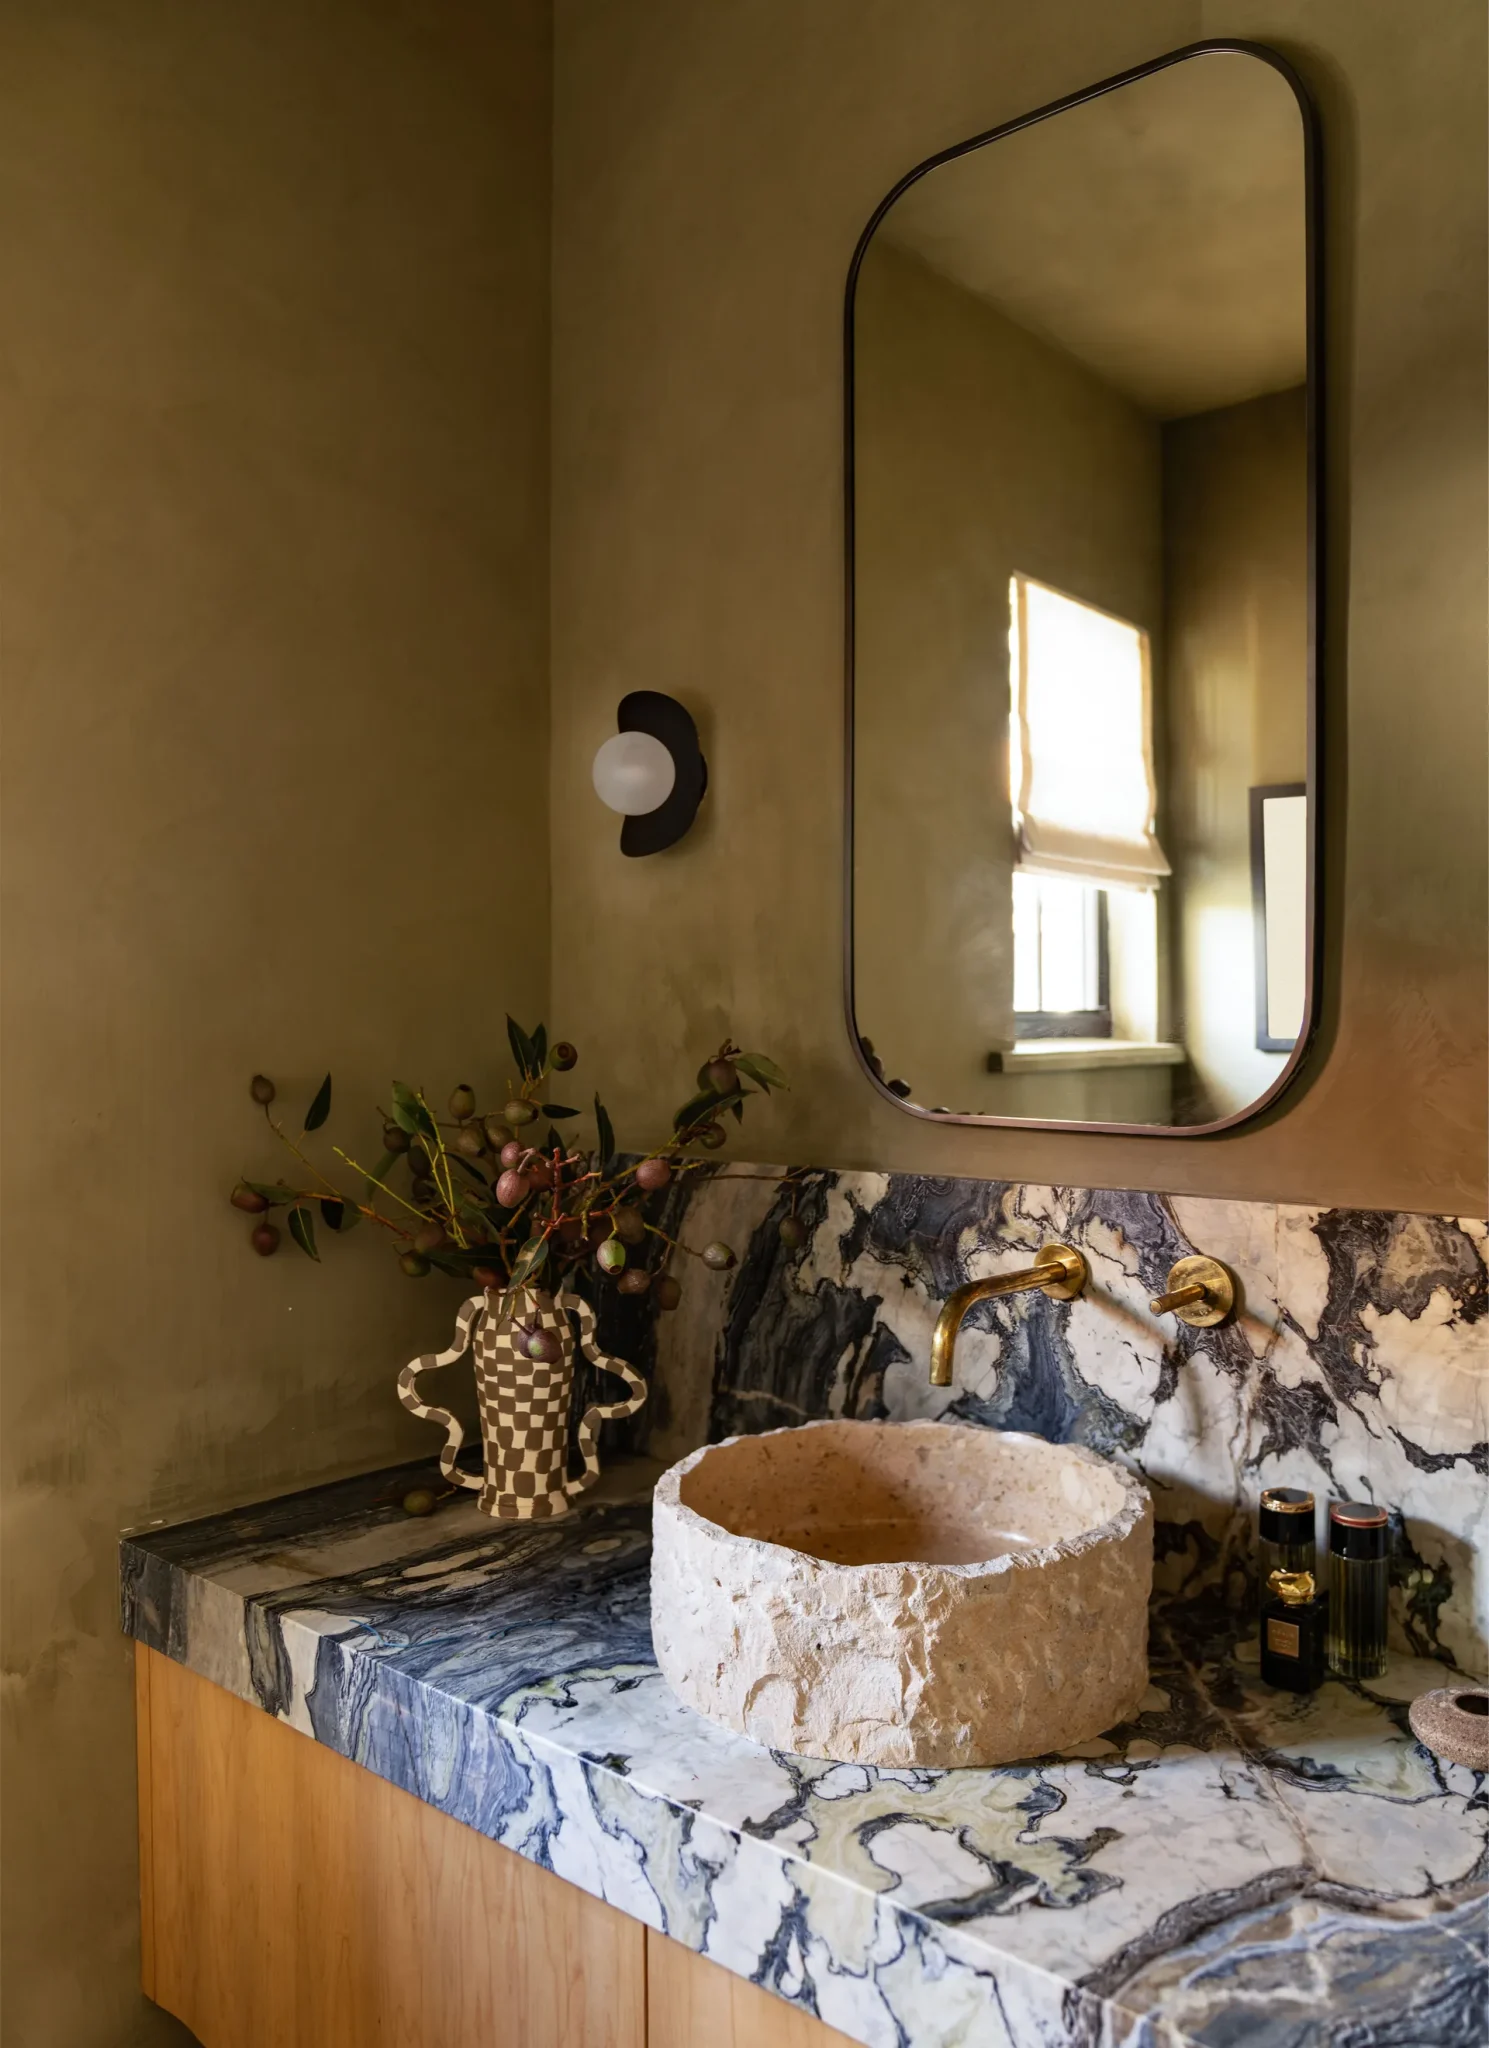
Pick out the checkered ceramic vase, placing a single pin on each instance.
(524, 1402)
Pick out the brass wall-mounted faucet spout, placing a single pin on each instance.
(1059, 1271)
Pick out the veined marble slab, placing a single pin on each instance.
(1233, 1866)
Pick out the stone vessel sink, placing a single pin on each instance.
(903, 1593)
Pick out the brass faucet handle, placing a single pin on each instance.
(1201, 1292)
(1067, 1269)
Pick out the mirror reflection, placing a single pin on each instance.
(1082, 610)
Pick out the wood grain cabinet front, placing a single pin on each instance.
(291, 1899)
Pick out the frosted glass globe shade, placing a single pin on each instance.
(634, 773)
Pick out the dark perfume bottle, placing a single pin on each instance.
(1359, 1583)
(1285, 1538)
(1293, 1625)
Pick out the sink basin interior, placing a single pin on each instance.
(857, 1494)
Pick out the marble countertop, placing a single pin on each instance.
(1236, 1866)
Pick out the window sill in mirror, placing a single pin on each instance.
(1074, 1055)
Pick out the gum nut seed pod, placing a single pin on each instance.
(414, 1264)
(264, 1237)
(470, 1142)
(721, 1076)
(395, 1138)
(630, 1226)
(261, 1088)
(665, 1291)
(463, 1101)
(711, 1137)
(611, 1255)
(563, 1057)
(424, 1191)
(418, 1160)
(652, 1174)
(544, 1347)
(792, 1232)
(514, 1152)
(512, 1188)
(244, 1198)
(718, 1256)
(634, 1280)
(597, 1230)
(487, 1277)
(570, 1229)
(497, 1133)
(419, 1502)
(519, 1113)
(429, 1237)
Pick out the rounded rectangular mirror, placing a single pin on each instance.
(1083, 592)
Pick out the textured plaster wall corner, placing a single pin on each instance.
(713, 170)
(275, 544)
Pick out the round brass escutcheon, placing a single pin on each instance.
(1207, 1309)
(1068, 1271)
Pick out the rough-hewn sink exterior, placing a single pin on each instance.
(915, 1593)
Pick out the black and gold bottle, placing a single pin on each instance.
(1359, 1582)
(1285, 1538)
(1292, 1649)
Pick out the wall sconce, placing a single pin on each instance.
(653, 771)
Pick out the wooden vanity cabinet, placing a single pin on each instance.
(290, 1899)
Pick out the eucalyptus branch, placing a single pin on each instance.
(373, 1181)
(569, 1203)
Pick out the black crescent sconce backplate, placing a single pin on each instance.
(666, 720)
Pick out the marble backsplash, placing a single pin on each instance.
(1358, 1365)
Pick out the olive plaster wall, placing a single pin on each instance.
(1234, 710)
(714, 167)
(274, 413)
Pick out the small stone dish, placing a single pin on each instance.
(1453, 1722)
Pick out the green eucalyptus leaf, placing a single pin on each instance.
(410, 1114)
(704, 1106)
(693, 1110)
(605, 1133)
(523, 1050)
(277, 1192)
(320, 1109)
(302, 1230)
(530, 1260)
(738, 1109)
(540, 1050)
(761, 1070)
(556, 1109)
(340, 1216)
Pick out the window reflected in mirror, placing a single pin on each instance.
(1082, 590)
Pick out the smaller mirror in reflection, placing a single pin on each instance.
(1082, 596)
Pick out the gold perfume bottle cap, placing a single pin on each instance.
(1293, 1587)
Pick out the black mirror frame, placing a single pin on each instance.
(1313, 200)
